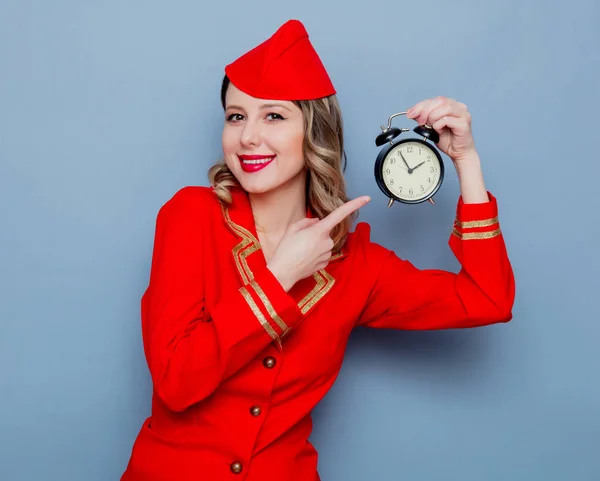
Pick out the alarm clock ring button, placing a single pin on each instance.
(387, 136)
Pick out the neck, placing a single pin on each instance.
(274, 211)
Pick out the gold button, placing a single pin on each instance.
(269, 362)
(236, 467)
(255, 410)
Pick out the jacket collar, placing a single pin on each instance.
(239, 218)
(248, 255)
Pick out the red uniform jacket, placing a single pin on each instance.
(238, 363)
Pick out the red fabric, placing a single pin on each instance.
(283, 67)
(213, 316)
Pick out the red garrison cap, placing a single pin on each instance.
(283, 67)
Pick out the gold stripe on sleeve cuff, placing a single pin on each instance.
(476, 235)
(258, 314)
(270, 309)
(476, 223)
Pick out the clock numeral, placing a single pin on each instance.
(422, 188)
(429, 179)
(400, 189)
(392, 161)
(419, 150)
(392, 181)
(387, 171)
(431, 169)
(409, 148)
(410, 191)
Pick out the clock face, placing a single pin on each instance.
(411, 170)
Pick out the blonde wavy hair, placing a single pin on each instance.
(323, 152)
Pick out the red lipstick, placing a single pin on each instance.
(254, 163)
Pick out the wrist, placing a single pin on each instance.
(467, 163)
(470, 177)
(285, 280)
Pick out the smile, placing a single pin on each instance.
(258, 161)
(254, 163)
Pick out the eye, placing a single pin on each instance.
(273, 116)
(234, 117)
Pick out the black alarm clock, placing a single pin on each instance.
(410, 170)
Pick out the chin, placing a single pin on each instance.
(257, 187)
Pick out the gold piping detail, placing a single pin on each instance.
(476, 223)
(258, 313)
(319, 283)
(240, 253)
(265, 300)
(476, 235)
(250, 244)
(245, 232)
(322, 288)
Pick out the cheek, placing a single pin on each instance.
(292, 144)
(228, 140)
(298, 142)
(229, 143)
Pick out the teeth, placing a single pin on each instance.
(258, 161)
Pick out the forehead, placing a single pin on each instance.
(235, 96)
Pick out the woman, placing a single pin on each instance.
(256, 282)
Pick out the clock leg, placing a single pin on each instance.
(390, 202)
(431, 201)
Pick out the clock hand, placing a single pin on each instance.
(410, 171)
(417, 166)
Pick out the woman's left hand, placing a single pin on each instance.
(450, 119)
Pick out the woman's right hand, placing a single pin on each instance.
(305, 247)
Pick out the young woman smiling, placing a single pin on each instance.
(257, 282)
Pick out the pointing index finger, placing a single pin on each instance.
(343, 211)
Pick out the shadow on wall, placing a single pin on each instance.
(450, 360)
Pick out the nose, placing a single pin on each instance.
(250, 134)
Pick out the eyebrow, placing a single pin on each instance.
(262, 107)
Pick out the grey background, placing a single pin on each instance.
(107, 108)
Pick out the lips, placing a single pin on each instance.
(254, 163)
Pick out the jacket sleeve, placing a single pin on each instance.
(404, 297)
(189, 351)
